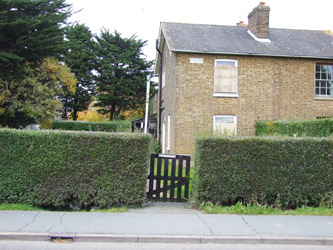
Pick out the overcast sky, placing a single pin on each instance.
(143, 17)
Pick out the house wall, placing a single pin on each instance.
(269, 88)
(154, 103)
(169, 97)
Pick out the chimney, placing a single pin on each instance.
(259, 21)
(241, 23)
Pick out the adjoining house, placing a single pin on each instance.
(228, 77)
(138, 124)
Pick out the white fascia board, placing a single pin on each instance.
(167, 42)
(157, 57)
(161, 40)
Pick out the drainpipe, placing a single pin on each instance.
(160, 108)
(147, 103)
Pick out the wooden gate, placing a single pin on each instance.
(168, 178)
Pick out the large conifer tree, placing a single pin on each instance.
(30, 30)
(122, 71)
(79, 57)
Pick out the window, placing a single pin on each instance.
(324, 80)
(226, 78)
(224, 123)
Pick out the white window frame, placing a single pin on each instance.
(228, 116)
(323, 78)
(226, 94)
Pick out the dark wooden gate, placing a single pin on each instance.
(168, 178)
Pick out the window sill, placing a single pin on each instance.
(225, 95)
(323, 98)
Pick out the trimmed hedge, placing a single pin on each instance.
(73, 169)
(314, 128)
(285, 172)
(115, 126)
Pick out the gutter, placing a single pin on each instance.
(249, 54)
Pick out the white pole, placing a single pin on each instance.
(147, 104)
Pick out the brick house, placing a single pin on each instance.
(227, 77)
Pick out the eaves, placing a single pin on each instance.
(250, 54)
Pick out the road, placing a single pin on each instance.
(36, 245)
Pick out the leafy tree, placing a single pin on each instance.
(36, 94)
(91, 115)
(122, 72)
(79, 57)
(30, 30)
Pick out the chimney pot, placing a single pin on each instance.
(241, 23)
(262, 3)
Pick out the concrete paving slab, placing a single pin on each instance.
(166, 208)
(132, 223)
(227, 225)
(287, 225)
(44, 222)
(166, 226)
(14, 221)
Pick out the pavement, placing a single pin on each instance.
(166, 223)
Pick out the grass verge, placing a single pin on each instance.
(257, 209)
(25, 207)
(20, 207)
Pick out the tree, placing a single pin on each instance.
(36, 94)
(122, 72)
(79, 57)
(30, 30)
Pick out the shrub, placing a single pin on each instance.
(286, 172)
(314, 128)
(73, 169)
(156, 147)
(46, 123)
(115, 126)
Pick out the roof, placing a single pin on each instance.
(220, 39)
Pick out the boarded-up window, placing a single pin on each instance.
(223, 123)
(226, 74)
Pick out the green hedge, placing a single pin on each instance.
(314, 128)
(286, 172)
(115, 126)
(76, 169)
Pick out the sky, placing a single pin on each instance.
(143, 17)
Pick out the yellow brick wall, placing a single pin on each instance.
(169, 68)
(269, 88)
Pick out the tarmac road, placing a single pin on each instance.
(37, 245)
